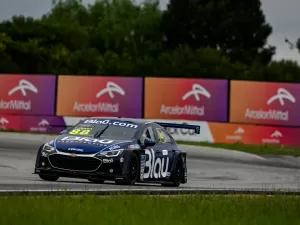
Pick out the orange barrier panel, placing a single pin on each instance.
(99, 96)
(187, 99)
(254, 135)
(264, 103)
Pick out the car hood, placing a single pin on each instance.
(87, 145)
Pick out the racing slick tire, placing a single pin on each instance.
(48, 177)
(96, 181)
(132, 171)
(176, 175)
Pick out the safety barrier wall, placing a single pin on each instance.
(209, 131)
(233, 111)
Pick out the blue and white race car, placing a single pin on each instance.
(122, 150)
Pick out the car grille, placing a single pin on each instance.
(75, 152)
(74, 163)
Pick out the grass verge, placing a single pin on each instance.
(137, 210)
(255, 149)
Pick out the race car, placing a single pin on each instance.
(126, 151)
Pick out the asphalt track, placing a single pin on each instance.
(207, 169)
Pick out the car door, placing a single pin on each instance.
(162, 154)
(148, 172)
(155, 162)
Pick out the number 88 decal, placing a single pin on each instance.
(80, 131)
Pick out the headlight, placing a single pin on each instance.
(48, 149)
(113, 153)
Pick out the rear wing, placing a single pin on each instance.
(183, 126)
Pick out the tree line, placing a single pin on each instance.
(191, 38)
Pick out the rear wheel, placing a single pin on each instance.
(132, 171)
(177, 174)
(48, 177)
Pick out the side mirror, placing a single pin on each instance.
(63, 132)
(149, 142)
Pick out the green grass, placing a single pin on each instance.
(138, 210)
(255, 149)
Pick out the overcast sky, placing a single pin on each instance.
(282, 15)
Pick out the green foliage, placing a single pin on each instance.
(237, 27)
(121, 38)
(150, 210)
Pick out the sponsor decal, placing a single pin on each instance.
(135, 146)
(110, 89)
(272, 103)
(75, 149)
(273, 139)
(142, 166)
(157, 166)
(194, 99)
(42, 124)
(32, 123)
(3, 123)
(111, 122)
(27, 94)
(106, 96)
(114, 147)
(278, 136)
(181, 131)
(232, 133)
(193, 110)
(108, 160)
(8, 122)
(237, 135)
(86, 140)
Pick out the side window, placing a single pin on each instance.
(148, 133)
(162, 136)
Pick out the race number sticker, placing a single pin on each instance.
(81, 131)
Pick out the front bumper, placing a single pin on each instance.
(82, 166)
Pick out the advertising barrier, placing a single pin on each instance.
(27, 94)
(186, 99)
(99, 96)
(32, 123)
(264, 103)
(254, 135)
(27, 103)
(209, 132)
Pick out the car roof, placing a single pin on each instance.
(133, 120)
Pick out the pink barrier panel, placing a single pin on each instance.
(32, 123)
(22, 94)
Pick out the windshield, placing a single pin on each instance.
(110, 130)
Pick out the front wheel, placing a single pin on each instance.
(49, 177)
(132, 171)
(177, 174)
